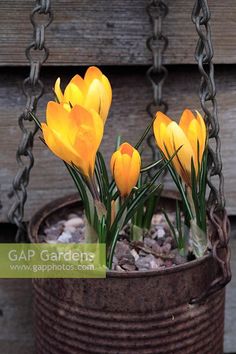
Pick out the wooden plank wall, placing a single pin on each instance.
(111, 32)
(104, 32)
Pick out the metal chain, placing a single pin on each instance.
(157, 44)
(36, 53)
(219, 236)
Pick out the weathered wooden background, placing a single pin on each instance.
(113, 34)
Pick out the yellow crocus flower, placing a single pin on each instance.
(189, 134)
(92, 92)
(73, 135)
(125, 168)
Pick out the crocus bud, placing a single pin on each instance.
(125, 168)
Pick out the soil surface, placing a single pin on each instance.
(156, 251)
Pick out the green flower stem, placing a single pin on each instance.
(112, 249)
(191, 202)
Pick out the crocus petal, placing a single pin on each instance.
(88, 136)
(186, 118)
(182, 161)
(106, 98)
(73, 95)
(92, 92)
(195, 139)
(203, 133)
(113, 160)
(134, 170)
(79, 82)
(93, 96)
(98, 128)
(74, 135)
(195, 130)
(125, 167)
(127, 149)
(57, 145)
(159, 127)
(91, 74)
(188, 136)
(57, 117)
(120, 175)
(57, 89)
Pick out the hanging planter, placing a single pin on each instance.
(144, 312)
(176, 309)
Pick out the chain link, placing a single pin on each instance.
(36, 53)
(219, 236)
(157, 44)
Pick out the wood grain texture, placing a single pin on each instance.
(131, 92)
(111, 32)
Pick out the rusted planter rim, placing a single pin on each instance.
(63, 202)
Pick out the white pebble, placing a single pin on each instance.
(134, 254)
(156, 219)
(160, 233)
(75, 222)
(72, 216)
(70, 229)
(64, 238)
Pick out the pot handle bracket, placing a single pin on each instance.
(220, 227)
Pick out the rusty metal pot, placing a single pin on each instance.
(135, 312)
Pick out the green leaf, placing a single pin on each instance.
(114, 232)
(120, 217)
(178, 218)
(150, 209)
(103, 180)
(103, 168)
(103, 230)
(152, 165)
(100, 207)
(118, 142)
(112, 249)
(112, 187)
(139, 143)
(171, 226)
(84, 193)
(137, 233)
(194, 193)
(142, 194)
(202, 190)
(178, 182)
(100, 183)
(91, 236)
(198, 239)
(36, 120)
(179, 185)
(181, 243)
(140, 201)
